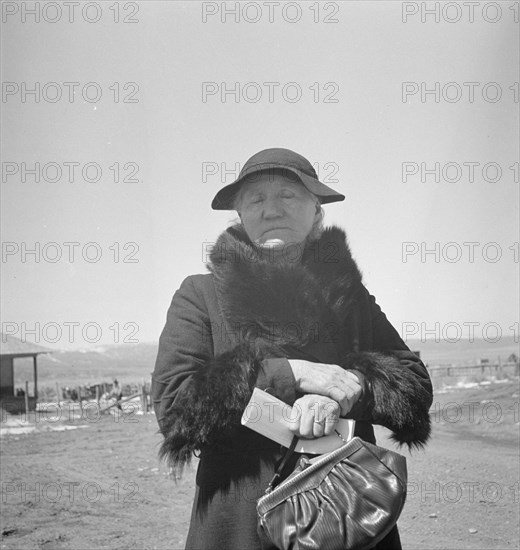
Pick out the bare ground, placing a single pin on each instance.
(101, 487)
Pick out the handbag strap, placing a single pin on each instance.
(278, 472)
(281, 465)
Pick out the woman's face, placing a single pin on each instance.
(277, 210)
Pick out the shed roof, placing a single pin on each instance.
(11, 346)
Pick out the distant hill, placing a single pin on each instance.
(442, 353)
(131, 363)
(127, 362)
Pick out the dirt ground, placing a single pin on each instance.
(101, 486)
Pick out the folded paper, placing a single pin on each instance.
(272, 418)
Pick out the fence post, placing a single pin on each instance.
(26, 398)
(144, 399)
(80, 403)
(58, 393)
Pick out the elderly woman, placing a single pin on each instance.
(283, 309)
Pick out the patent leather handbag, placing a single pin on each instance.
(348, 499)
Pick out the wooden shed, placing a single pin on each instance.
(12, 348)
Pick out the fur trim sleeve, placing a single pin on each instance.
(395, 396)
(211, 404)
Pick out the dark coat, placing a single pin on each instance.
(236, 328)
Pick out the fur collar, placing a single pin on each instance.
(285, 302)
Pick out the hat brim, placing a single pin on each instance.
(225, 197)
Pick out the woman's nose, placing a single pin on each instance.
(272, 208)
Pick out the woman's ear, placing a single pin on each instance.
(318, 216)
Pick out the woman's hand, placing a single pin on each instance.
(314, 416)
(343, 386)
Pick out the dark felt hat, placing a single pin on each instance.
(286, 161)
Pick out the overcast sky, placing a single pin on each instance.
(412, 115)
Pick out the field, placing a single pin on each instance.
(100, 486)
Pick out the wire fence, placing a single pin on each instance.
(498, 369)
